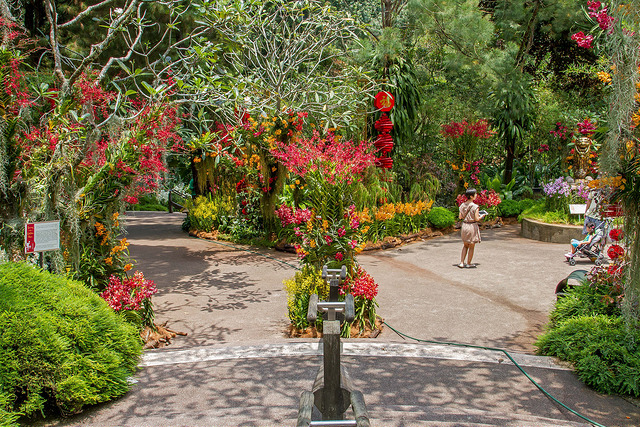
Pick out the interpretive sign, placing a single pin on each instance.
(41, 236)
(578, 209)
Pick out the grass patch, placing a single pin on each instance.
(539, 212)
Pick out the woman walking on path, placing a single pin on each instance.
(470, 231)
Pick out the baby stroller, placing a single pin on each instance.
(594, 251)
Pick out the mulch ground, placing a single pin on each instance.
(158, 336)
(312, 332)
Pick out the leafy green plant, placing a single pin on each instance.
(588, 329)
(210, 213)
(441, 217)
(148, 202)
(61, 345)
(504, 190)
(305, 283)
(604, 351)
(509, 208)
(583, 300)
(526, 204)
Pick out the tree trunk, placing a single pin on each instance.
(508, 162)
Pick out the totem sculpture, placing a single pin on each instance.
(583, 151)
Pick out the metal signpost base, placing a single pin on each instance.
(332, 391)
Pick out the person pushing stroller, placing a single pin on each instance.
(586, 247)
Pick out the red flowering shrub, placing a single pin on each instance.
(361, 285)
(615, 251)
(289, 216)
(479, 129)
(464, 138)
(85, 152)
(133, 293)
(616, 234)
(586, 127)
(318, 240)
(582, 40)
(484, 198)
(488, 199)
(327, 159)
(364, 290)
(609, 279)
(130, 293)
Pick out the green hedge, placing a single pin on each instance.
(60, 344)
(441, 217)
(509, 208)
(7, 418)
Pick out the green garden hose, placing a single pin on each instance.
(545, 392)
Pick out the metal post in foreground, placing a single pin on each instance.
(332, 390)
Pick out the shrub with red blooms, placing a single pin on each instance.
(616, 234)
(328, 158)
(364, 290)
(289, 215)
(464, 138)
(479, 129)
(609, 280)
(615, 251)
(74, 150)
(130, 293)
(485, 198)
(561, 132)
(586, 127)
(602, 17)
(582, 40)
(600, 14)
(318, 240)
(361, 285)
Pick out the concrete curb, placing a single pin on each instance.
(429, 351)
(552, 233)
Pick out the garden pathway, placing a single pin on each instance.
(236, 367)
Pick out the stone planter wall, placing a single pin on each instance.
(552, 233)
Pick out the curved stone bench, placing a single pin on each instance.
(552, 233)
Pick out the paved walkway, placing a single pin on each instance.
(236, 367)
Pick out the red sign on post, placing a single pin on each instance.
(41, 236)
(384, 101)
(29, 238)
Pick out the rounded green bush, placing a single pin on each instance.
(61, 345)
(441, 217)
(526, 204)
(509, 208)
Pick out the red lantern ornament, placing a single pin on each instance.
(384, 101)
(384, 141)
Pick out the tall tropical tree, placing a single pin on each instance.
(513, 115)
